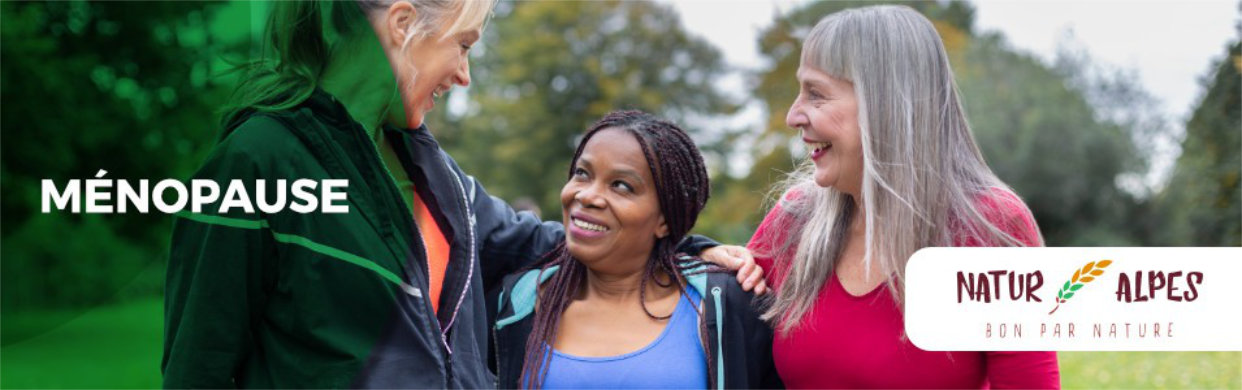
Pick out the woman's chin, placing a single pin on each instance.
(581, 252)
(415, 121)
(824, 179)
(416, 114)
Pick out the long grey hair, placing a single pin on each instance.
(923, 174)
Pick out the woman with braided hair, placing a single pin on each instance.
(616, 297)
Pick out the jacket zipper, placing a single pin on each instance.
(471, 249)
(469, 270)
(426, 262)
(719, 346)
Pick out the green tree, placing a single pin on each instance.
(1203, 198)
(548, 70)
(88, 86)
(1043, 136)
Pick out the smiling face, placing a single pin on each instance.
(611, 208)
(427, 67)
(826, 113)
(440, 63)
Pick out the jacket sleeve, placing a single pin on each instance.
(759, 336)
(695, 244)
(213, 285)
(508, 240)
(769, 378)
(511, 240)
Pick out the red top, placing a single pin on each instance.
(437, 249)
(848, 341)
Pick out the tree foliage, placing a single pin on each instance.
(88, 86)
(1042, 136)
(1203, 199)
(551, 69)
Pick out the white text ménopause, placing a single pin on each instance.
(98, 199)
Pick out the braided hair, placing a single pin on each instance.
(681, 186)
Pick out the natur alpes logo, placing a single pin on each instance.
(1074, 299)
(1137, 286)
(1081, 277)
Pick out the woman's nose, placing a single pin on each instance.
(795, 118)
(462, 77)
(588, 196)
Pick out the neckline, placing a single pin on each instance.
(836, 279)
(678, 313)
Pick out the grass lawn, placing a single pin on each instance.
(120, 346)
(115, 346)
(1151, 370)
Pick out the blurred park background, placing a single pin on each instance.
(133, 88)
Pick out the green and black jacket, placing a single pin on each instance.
(338, 300)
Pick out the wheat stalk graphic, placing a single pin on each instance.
(1082, 276)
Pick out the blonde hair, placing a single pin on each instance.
(435, 16)
(303, 35)
(923, 174)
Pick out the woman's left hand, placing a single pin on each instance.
(738, 258)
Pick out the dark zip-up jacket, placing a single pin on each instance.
(319, 300)
(739, 344)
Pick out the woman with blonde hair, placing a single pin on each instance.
(893, 168)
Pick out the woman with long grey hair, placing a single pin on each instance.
(893, 168)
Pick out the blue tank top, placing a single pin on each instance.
(675, 360)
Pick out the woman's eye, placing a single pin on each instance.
(580, 173)
(623, 186)
(465, 47)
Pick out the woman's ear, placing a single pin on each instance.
(398, 19)
(661, 228)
